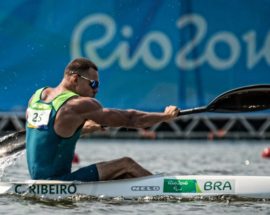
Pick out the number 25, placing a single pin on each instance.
(36, 117)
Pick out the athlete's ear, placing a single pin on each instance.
(74, 79)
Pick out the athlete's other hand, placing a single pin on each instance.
(172, 112)
(91, 126)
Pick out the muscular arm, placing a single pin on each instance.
(131, 118)
(79, 110)
(91, 109)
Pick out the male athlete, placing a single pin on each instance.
(57, 116)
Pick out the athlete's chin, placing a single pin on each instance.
(92, 95)
(88, 95)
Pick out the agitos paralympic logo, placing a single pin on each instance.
(44, 189)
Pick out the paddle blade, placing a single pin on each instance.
(245, 99)
(12, 143)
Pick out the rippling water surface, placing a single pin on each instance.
(171, 157)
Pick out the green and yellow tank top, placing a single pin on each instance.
(48, 155)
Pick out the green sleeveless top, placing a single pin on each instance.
(48, 155)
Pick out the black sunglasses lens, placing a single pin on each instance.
(94, 84)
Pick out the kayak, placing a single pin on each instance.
(157, 185)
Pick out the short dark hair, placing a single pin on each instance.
(80, 66)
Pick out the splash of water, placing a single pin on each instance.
(9, 161)
(11, 148)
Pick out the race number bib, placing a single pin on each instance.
(38, 117)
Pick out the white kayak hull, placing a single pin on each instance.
(158, 185)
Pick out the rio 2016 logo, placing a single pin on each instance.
(120, 54)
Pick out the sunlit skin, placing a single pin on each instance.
(85, 109)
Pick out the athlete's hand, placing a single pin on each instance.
(91, 126)
(171, 111)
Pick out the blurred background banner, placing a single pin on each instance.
(150, 53)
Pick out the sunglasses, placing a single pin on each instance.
(92, 83)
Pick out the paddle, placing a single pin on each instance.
(244, 99)
(12, 143)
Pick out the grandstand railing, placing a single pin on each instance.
(201, 126)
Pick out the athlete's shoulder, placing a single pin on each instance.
(84, 102)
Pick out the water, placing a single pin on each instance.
(171, 157)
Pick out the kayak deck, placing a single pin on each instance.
(180, 186)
